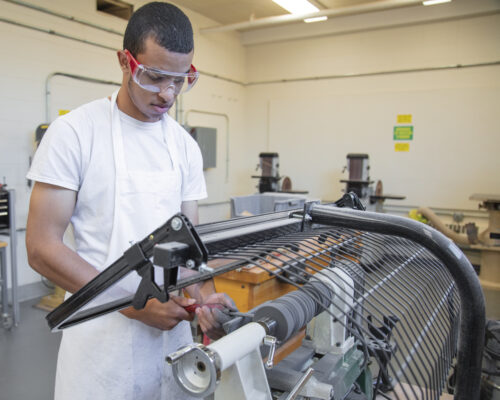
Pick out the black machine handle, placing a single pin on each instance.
(176, 229)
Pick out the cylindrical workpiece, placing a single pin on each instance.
(238, 344)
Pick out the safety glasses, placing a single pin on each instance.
(155, 80)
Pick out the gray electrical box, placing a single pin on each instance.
(207, 140)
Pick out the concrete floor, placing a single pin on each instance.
(28, 355)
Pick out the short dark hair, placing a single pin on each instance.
(165, 23)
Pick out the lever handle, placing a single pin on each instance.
(271, 342)
(300, 384)
(176, 356)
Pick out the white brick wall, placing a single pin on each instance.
(313, 125)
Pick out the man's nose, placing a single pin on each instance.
(167, 93)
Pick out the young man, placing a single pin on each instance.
(116, 169)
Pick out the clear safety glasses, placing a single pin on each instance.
(156, 80)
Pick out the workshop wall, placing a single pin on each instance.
(30, 56)
(313, 123)
(33, 50)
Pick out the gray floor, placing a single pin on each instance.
(28, 355)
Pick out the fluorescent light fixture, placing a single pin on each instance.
(316, 19)
(297, 6)
(433, 2)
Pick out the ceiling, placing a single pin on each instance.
(228, 12)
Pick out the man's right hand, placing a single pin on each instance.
(160, 315)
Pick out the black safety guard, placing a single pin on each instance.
(176, 229)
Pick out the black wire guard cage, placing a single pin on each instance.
(416, 306)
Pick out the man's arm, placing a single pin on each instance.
(51, 208)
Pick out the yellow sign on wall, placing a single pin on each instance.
(404, 118)
(62, 112)
(402, 146)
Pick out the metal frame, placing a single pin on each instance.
(472, 318)
(11, 232)
(213, 238)
(234, 233)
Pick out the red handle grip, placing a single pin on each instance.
(192, 307)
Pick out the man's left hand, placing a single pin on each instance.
(211, 319)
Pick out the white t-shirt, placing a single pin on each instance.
(77, 153)
(138, 138)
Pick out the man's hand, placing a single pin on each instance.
(211, 319)
(160, 315)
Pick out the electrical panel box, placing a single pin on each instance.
(207, 140)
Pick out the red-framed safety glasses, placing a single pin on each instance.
(156, 80)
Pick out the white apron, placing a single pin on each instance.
(113, 357)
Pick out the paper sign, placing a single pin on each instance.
(402, 146)
(403, 133)
(404, 118)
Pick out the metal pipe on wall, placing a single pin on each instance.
(13, 257)
(178, 109)
(376, 73)
(73, 76)
(54, 33)
(226, 117)
(221, 78)
(290, 80)
(287, 18)
(64, 16)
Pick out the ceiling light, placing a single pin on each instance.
(433, 2)
(297, 6)
(316, 19)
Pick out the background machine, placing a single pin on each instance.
(358, 182)
(382, 305)
(271, 180)
(486, 243)
(269, 164)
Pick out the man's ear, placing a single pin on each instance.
(123, 60)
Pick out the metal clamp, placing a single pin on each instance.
(350, 200)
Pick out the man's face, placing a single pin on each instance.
(149, 106)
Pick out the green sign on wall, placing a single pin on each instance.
(403, 133)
